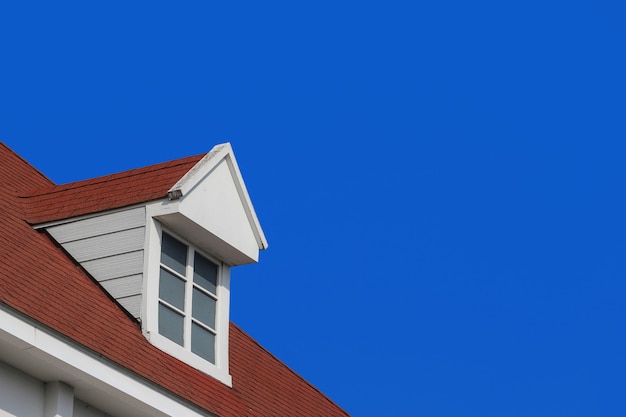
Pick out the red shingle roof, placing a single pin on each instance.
(56, 202)
(39, 280)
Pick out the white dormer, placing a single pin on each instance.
(210, 206)
(167, 261)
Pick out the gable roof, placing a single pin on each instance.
(38, 280)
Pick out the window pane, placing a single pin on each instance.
(172, 289)
(170, 324)
(173, 254)
(203, 343)
(203, 308)
(205, 273)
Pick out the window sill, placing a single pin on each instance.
(190, 358)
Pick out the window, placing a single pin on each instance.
(188, 297)
(186, 305)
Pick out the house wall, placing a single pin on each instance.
(22, 395)
(110, 247)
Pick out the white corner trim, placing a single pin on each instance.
(188, 181)
(248, 207)
(59, 400)
(43, 345)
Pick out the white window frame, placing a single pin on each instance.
(150, 303)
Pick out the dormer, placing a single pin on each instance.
(161, 241)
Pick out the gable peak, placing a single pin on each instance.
(203, 168)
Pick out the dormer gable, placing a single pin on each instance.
(211, 207)
(116, 226)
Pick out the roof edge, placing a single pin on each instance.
(202, 168)
(235, 326)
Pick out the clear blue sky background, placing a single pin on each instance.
(442, 183)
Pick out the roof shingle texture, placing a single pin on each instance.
(39, 280)
(55, 202)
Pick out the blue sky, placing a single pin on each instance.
(441, 183)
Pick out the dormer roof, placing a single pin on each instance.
(208, 201)
(56, 202)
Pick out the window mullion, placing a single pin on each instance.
(199, 278)
(188, 295)
(218, 314)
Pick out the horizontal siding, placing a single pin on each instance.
(106, 245)
(115, 266)
(132, 305)
(99, 225)
(124, 286)
(110, 248)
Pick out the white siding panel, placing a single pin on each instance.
(106, 245)
(116, 266)
(99, 225)
(132, 305)
(123, 287)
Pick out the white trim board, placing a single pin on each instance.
(40, 352)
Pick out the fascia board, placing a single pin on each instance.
(83, 369)
(204, 167)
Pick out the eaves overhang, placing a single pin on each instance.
(48, 356)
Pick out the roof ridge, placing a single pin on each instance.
(59, 188)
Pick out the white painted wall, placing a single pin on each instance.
(216, 205)
(20, 394)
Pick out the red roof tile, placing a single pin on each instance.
(56, 202)
(39, 280)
